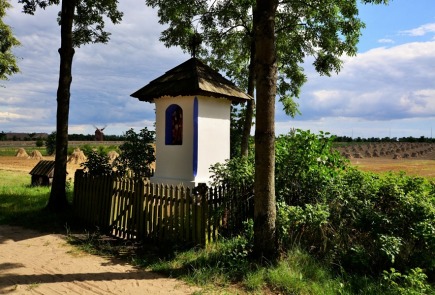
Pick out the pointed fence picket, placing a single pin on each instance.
(133, 208)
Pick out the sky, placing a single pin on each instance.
(386, 90)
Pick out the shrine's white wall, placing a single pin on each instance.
(189, 163)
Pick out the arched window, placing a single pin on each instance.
(174, 125)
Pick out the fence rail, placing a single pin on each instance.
(133, 208)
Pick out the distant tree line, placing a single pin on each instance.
(91, 137)
(71, 137)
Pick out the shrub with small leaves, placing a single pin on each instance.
(97, 164)
(137, 153)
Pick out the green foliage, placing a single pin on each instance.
(8, 65)
(366, 223)
(89, 18)
(234, 172)
(330, 29)
(361, 222)
(412, 283)
(50, 143)
(97, 163)
(306, 225)
(39, 142)
(305, 164)
(137, 153)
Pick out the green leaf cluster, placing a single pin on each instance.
(318, 31)
(137, 153)
(97, 163)
(8, 65)
(234, 172)
(50, 143)
(305, 164)
(366, 223)
(89, 18)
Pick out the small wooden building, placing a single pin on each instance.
(42, 173)
(193, 106)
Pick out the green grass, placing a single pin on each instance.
(24, 205)
(219, 270)
(12, 151)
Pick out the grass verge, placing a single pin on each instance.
(24, 205)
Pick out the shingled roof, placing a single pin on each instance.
(192, 77)
(44, 167)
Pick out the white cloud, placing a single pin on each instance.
(6, 116)
(386, 41)
(420, 31)
(382, 92)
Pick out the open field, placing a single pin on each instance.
(416, 159)
(9, 162)
(424, 168)
(12, 163)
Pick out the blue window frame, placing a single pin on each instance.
(174, 125)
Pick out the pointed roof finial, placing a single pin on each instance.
(194, 43)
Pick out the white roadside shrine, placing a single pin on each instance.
(193, 106)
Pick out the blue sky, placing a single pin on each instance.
(388, 89)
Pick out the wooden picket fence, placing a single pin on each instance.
(133, 208)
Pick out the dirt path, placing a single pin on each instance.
(35, 263)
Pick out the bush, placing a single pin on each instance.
(137, 153)
(50, 143)
(39, 142)
(97, 163)
(367, 223)
(235, 172)
(305, 164)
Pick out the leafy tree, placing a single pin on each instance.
(271, 38)
(50, 143)
(8, 65)
(326, 29)
(137, 153)
(81, 22)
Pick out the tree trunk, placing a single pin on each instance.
(250, 105)
(265, 246)
(58, 199)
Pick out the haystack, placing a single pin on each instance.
(112, 156)
(35, 155)
(347, 155)
(77, 157)
(21, 153)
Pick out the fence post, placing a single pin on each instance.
(201, 219)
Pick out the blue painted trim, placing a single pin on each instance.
(195, 137)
